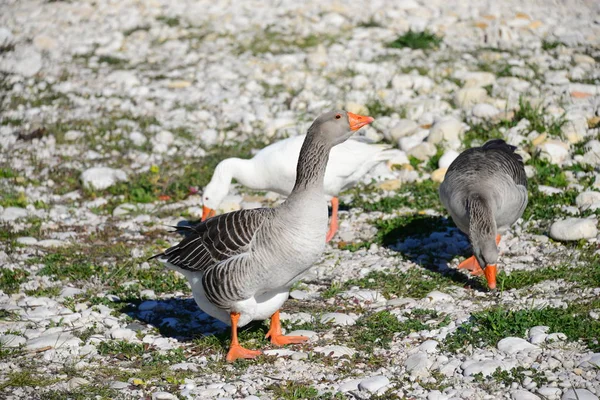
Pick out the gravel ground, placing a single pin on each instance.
(113, 115)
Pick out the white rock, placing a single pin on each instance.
(556, 337)
(549, 392)
(77, 382)
(137, 138)
(554, 151)
(423, 151)
(27, 240)
(428, 346)
(349, 385)
(54, 340)
(418, 364)
(163, 396)
(573, 229)
(49, 243)
(579, 394)
(335, 351)
(467, 97)
(538, 338)
(523, 395)
(404, 127)
(484, 111)
(13, 213)
(587, 199)
(514, 345)
(72, 135)
(439, 297)
(446, 130)
(591, 361)
(279, 352)
(485, 367)
(338, 319)
(373, 383)
(447, 158)
(6, 35)
(122, 334)
(162, 141)
(123, 79)
(102, 177)
(304, 332)
(10, 340)
(24, 60)
(147, 305)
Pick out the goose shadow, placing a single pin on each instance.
(182, 319)
(432, 242)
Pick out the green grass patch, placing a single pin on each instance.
(486, 328)
(551, 44)
(416, 40)
(10, 280)
(415, 282)
(295, 390)
(422, 195)
(169, 21)
(25, 378)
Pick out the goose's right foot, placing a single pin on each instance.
(235, 350)
(472, 265)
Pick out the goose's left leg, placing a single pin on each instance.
(490, 271)
(333, 225)
(279, 339)
(235, 350)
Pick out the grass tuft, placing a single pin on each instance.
(416, 40)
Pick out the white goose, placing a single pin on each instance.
(274, 168)
(485, 191)
(242, 264)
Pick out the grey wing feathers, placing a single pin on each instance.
(493, 157)
(216, 239)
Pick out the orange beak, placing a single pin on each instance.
(490, 276)
(207, 213)
(358, 121)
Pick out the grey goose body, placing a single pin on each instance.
(485, 192)
(242, 264)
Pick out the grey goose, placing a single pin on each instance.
(241, 265)
(485, 192)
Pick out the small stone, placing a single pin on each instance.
(404, 127)
(423, 151)
(573, 229)
(10, 340)
(118, 385)
(349, 385)
(162, 141)
(338, 319)
(549, 392)
(447, 130)
(583, 59)
(77, 382)
(467, 97)
(148, 305)
(180, 84)
(137, 138)
(72, 135)
(186, 366)
(335, 351)
(439, 297)
(299, 295)
(485, 367)
(447, 158)
(429, 346)
(13, 213)
(279, 352)
(123, 334)
(523, 395)
(439, 174)
(418, 364)
(484, 111)
(585, 200)
(27, 240)
(556, 337)
(579, 394)
(514, 345)
(54, 340)
(554, 151)
(373, 383)
(102, 177)
(298, 355)
(390, 184)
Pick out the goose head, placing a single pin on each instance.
(334, 127)
(216, 190)
(486, 253)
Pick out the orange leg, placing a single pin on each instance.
(333, 225)
(472, 265)
(497, 240)
(277, 338)
(235, 350)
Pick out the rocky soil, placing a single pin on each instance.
(113, 115)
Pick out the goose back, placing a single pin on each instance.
(493, 171)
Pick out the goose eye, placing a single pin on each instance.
(338, 116)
